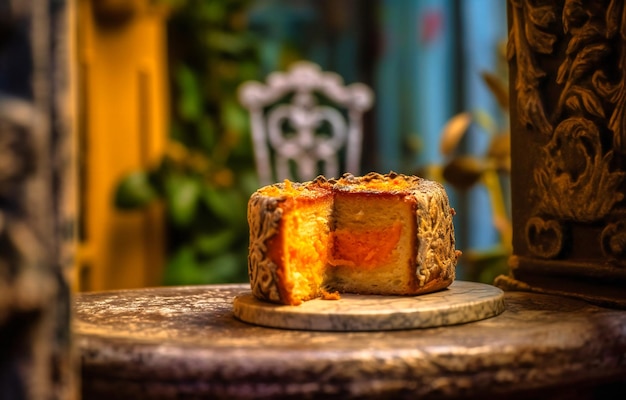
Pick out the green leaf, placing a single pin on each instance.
(226, 268)
(227, 42)
(213, 11)
(182, 268)
(134, 191)
(214, 243)
(248, 181)
(206, 133)
(248, 71)
(183, 193)
(185, 269)
(235, 118)
(177, 132)
(227, 204)
(189, 97)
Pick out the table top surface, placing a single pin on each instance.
(171, 341)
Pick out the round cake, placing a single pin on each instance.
(388, 234)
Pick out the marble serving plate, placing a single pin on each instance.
(460, 303)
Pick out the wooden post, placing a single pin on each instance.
(568, 124)
(36, 235)
(123, 123)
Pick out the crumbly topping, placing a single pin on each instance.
(326, 295)
(289, 188)
(392, 182)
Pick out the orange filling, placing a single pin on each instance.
(364, 249)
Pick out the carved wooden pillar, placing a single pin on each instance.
(36, 358)
(568, 121)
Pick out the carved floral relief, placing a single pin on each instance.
(580, 176)
(263, 226)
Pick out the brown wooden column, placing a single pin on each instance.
(36, 215)
(568, 124)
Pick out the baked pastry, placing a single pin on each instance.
(379, 234)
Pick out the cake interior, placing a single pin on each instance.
(349, 242)
(371, 248)
(305, 256)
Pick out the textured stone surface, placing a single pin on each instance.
(462, 302)
(184, 342)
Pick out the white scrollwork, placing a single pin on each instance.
(290, 133)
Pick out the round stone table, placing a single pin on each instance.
(185, 343)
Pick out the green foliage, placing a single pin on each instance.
(207, 174)
(135, 191)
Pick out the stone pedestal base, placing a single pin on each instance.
(460, 303)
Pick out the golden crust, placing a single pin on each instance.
(435, 255)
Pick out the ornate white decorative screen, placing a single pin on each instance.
(286, 134)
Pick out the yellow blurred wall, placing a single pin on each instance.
(122, 126)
